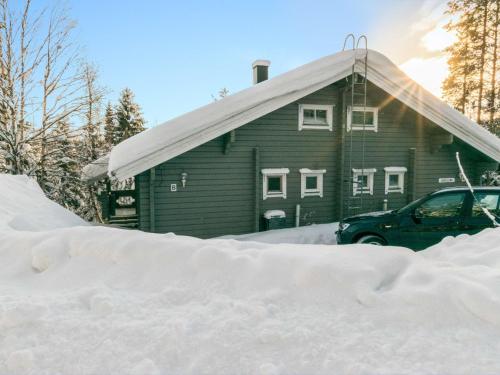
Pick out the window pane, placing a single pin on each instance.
(357, 118)
(274, 184)
(321, 116)
(488, 201)
(309, 115)
(311, 183)
(362, 182)
(394, 180)
(448, 205)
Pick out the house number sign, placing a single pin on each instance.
(446, 180)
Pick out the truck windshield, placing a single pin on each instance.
(411, 206)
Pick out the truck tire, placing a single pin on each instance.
(371, 239)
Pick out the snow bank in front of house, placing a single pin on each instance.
(100, 300)
(321, 234)
(23, 206)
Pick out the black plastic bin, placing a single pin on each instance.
(274, 219)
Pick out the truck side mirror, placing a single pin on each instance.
(417, 215)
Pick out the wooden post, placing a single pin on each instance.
(412, 175)
(256, 156)
(152, 177)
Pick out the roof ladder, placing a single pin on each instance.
(357, 84)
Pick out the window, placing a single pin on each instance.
(394, 179)
(315, 116)
(363, 181)
(311, 182)
(355, 118)
(490, 201)
(274, 183)
(442, 206)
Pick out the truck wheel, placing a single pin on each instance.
(371, 239)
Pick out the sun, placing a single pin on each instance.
(430, 71)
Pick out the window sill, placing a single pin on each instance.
(317, 127)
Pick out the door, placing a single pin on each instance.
(476, 220)
(437, 217)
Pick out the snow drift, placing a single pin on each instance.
(24, 207)
(98, 300)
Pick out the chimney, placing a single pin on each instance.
(260, 70)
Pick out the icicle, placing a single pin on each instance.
(485, 210)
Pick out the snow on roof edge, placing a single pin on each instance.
(96, 170)
(174, 137)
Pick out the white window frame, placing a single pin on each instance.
(274, 172)
(370, 173)
(306, 172)
(373, 110)
(322, 107)
(400, 172)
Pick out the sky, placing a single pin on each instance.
(177, 55)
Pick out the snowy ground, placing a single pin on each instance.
(77, 299)
(319, 234)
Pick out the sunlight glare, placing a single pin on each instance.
(429, 73)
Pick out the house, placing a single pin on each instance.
(319, 143)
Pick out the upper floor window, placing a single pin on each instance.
(274, 182)
(394, 179)
(363, 181)
(315, 116)
(311, 182)
(356, 116)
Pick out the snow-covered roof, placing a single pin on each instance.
(97, 170)
(181, 134)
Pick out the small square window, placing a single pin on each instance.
(394, 179)
(311, 182)
(315, 116)
(274, 183)
(363, 181)
(359, 118)
(308, 116)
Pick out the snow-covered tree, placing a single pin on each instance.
(64, 185)
(109, 127)
(128, 116)
(92, 140)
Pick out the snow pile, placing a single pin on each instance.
(24, 207)
(322, 234)
(99, 300)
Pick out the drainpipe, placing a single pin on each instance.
(297, 215)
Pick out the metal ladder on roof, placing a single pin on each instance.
(358, 98)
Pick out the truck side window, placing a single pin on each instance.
(442, 206)
(490, 201)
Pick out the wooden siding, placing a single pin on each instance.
(223, 194)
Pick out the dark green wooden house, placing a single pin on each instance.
(306, 142)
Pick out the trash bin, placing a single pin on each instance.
(274, 219)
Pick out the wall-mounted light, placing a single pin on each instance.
(184, 177)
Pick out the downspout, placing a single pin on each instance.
(297, 215)
(152, 178)
(256, 157)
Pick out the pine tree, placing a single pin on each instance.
(471, 85)
(128, 116)
(109, 127)
(92, 143)
(63, 168)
